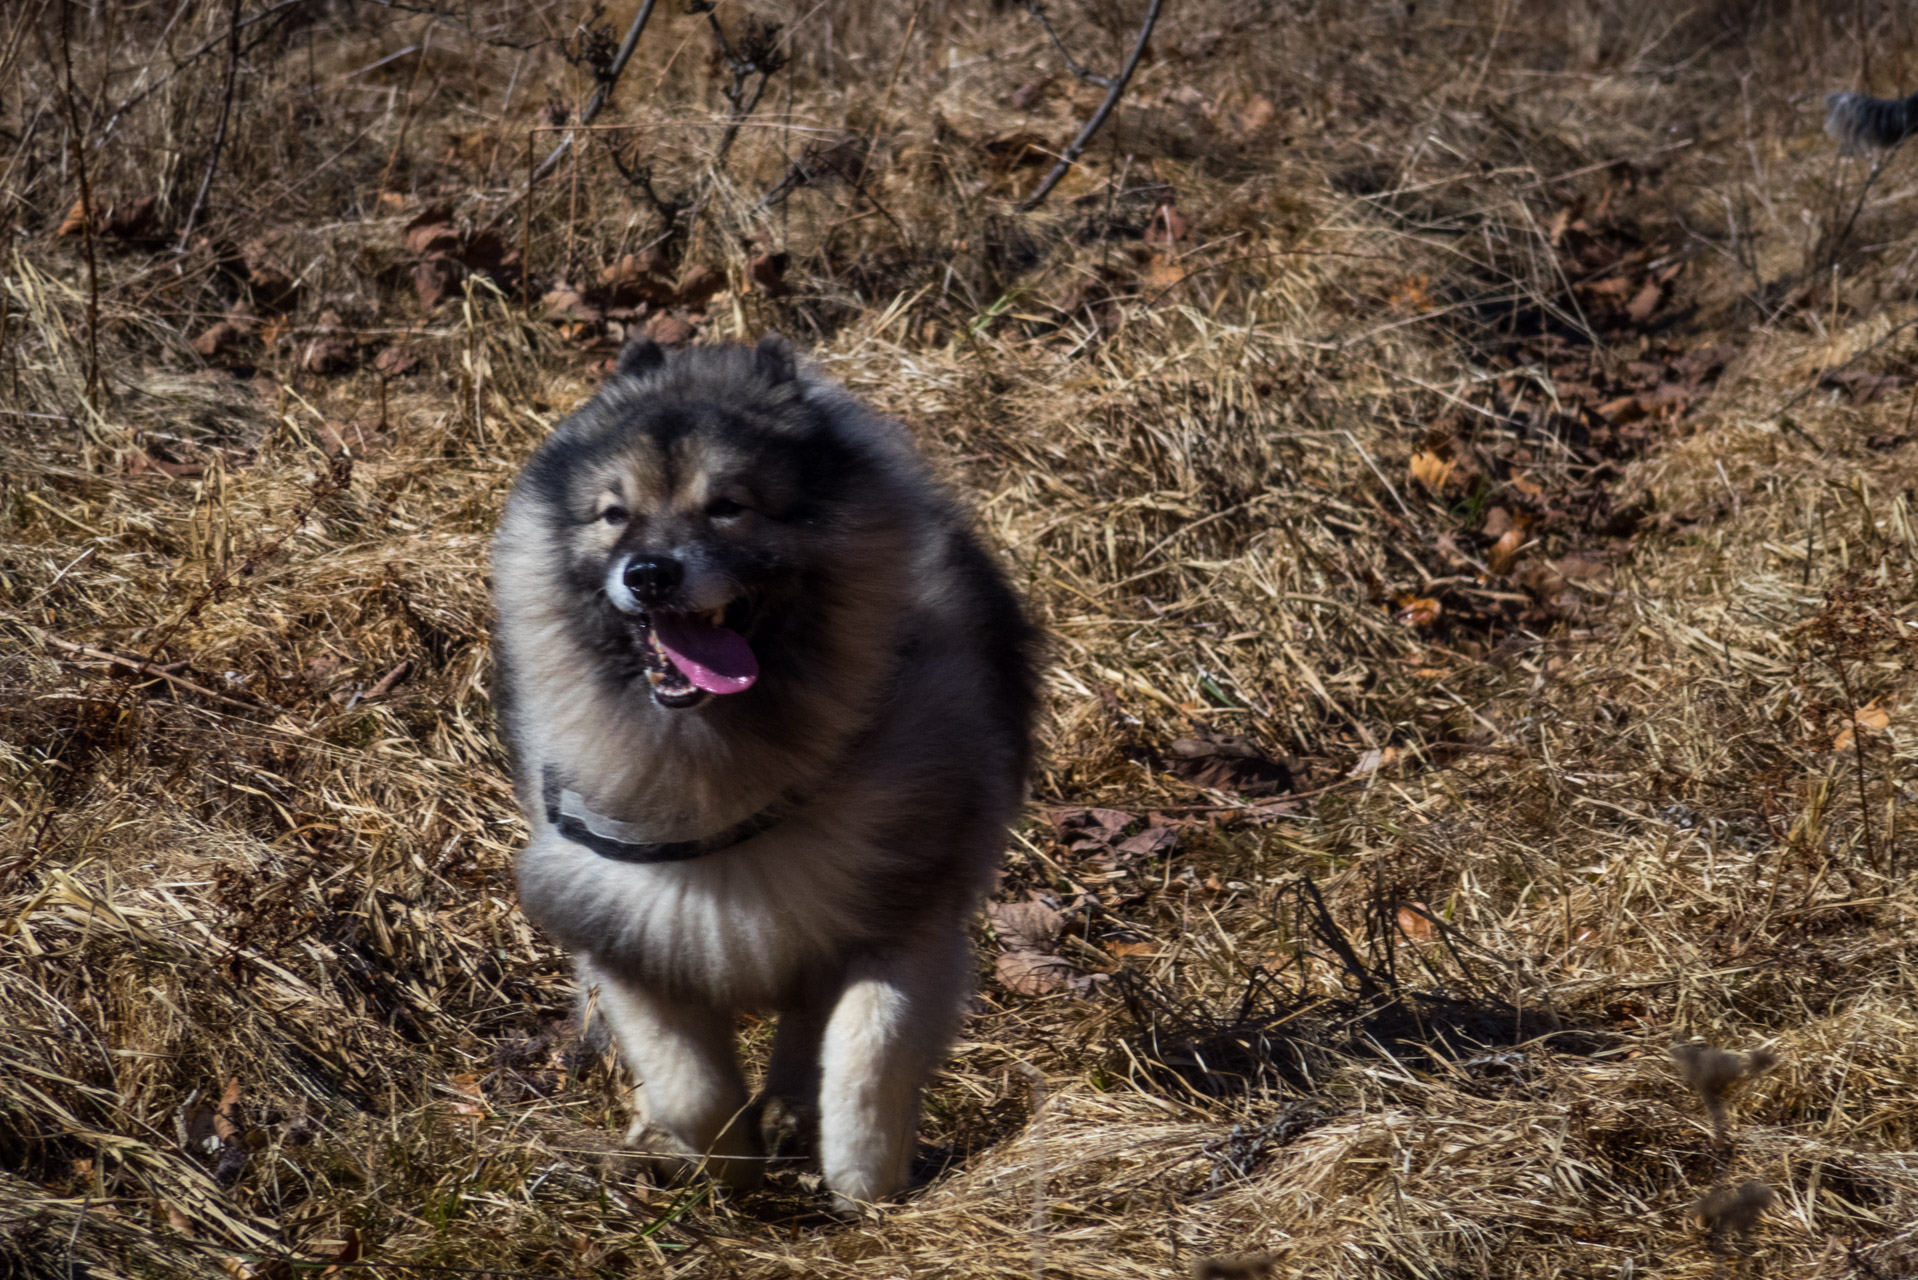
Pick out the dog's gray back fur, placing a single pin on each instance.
(895, 702)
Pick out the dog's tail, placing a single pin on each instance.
(1860, 123)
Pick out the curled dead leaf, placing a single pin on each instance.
(1417, 611)
(1431, 470)
(1503, 553)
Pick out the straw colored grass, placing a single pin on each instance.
(1243, 406)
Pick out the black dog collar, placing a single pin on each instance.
(610, 838)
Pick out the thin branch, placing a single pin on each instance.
(219, 130)
(86, 211)
(757, 53)
(1083, 72)
(1071, 155)
(607, 80)
(149, 669)
(137, 97)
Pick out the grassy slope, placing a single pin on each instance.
(1431, 276)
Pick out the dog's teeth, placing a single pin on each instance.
(657, 677)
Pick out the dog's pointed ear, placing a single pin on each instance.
(638, 358)
(774, 359)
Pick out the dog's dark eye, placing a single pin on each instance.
(614, 515)
(723, 508)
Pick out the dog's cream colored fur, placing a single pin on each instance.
(906, 737)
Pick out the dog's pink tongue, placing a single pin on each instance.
(715, 659)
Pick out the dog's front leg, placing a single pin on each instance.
(691, 1091)
(889, 1029)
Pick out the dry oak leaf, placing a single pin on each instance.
(1228, 763)
(638, 278)
(564, 303)
(670, 329)
(1149, 843)
(1025, 926)
(1032, 974)
(397, 361)
(1644, 302)
(431, 231)
(697, 285)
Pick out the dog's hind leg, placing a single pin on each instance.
(890, 1028)
(789, 1105)
(691, 1090)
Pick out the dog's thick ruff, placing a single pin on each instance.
(809, 839)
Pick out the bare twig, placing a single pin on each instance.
(607, 79)
(1070, 156)
(134, 99)
(756, 53)
(86, 210)
(144, 668)
(1077, 68)
(1037, 1229)
(219, 130)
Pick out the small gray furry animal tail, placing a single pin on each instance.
(1860, 123)
(769, 703)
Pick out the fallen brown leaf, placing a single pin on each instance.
(1414, 925)
(1025, 926)
(670, 329)
(697, 285)
(1644, 302)
(1032, 974)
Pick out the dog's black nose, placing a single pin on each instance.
(652, 578)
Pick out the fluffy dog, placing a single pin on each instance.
(769, 703)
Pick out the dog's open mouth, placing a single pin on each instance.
(690, 656)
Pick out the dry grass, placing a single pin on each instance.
(1508, 436)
